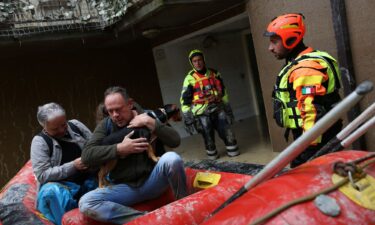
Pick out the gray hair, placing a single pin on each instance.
(48, 112)
(117, 89)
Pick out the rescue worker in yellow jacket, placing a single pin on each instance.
(205, 106)
(307, 86)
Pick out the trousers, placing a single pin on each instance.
(113, 203)
(56, 198)
(215, 121)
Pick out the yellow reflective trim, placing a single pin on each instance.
(198, 109)
(289, 26)
(308, 113)
(307, 81)
(206, 180)
(41, 216)
(198, 79)
(365, 196)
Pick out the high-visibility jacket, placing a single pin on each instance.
(305, 90)
(201, 90)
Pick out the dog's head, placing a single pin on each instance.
(141, 132)
(173, 112)
(166, 113)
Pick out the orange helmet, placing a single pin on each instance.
(289, 27)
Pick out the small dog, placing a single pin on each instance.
(169, 112)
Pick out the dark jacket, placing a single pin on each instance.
(134, 169)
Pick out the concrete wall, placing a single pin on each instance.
(227, 56)
(73, 75)
(320, 35)
(362, 33)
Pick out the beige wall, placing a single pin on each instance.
(72, 75)
(362, 36)
(319, 34)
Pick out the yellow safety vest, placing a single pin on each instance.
(286, 113)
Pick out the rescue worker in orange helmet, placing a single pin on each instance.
(308, 85)
(205, 106)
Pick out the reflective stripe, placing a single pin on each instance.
(305, 74)
(308, 121)
(308, 80)
(211, 152)
(231, 147)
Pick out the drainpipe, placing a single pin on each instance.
(345, 59)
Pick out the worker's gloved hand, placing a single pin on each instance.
(189, 122)
(229, 113)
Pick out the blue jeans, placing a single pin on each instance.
(56, 198)
(110, 204)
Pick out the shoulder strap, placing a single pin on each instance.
(108, 125)
(199, 78)
(307, 56)
(75, 128)
(48, 140)
(287, 67)
(329, 61)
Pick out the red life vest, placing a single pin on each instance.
(207, 89)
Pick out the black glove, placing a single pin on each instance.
(189, 122)
(229, 113)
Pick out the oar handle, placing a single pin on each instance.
(370, 111)
(364, 87)
(359, 132)
(339, 142)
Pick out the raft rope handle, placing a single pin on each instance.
(311, 197)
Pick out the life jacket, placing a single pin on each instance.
(286, 112)
(207, 89)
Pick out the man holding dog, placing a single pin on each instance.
(135, 178)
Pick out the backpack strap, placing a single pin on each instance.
(75, 128)
(49, 141)
(108, 126)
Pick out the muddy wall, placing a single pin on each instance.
(320, 35)
(71, 73)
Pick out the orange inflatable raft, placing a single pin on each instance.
(18, 198)
(353, 203)
(352, 206)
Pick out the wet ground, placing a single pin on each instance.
(253, 142)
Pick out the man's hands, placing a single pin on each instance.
(143, 120)
(129, 146)
(79, 165)
(189, 122)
